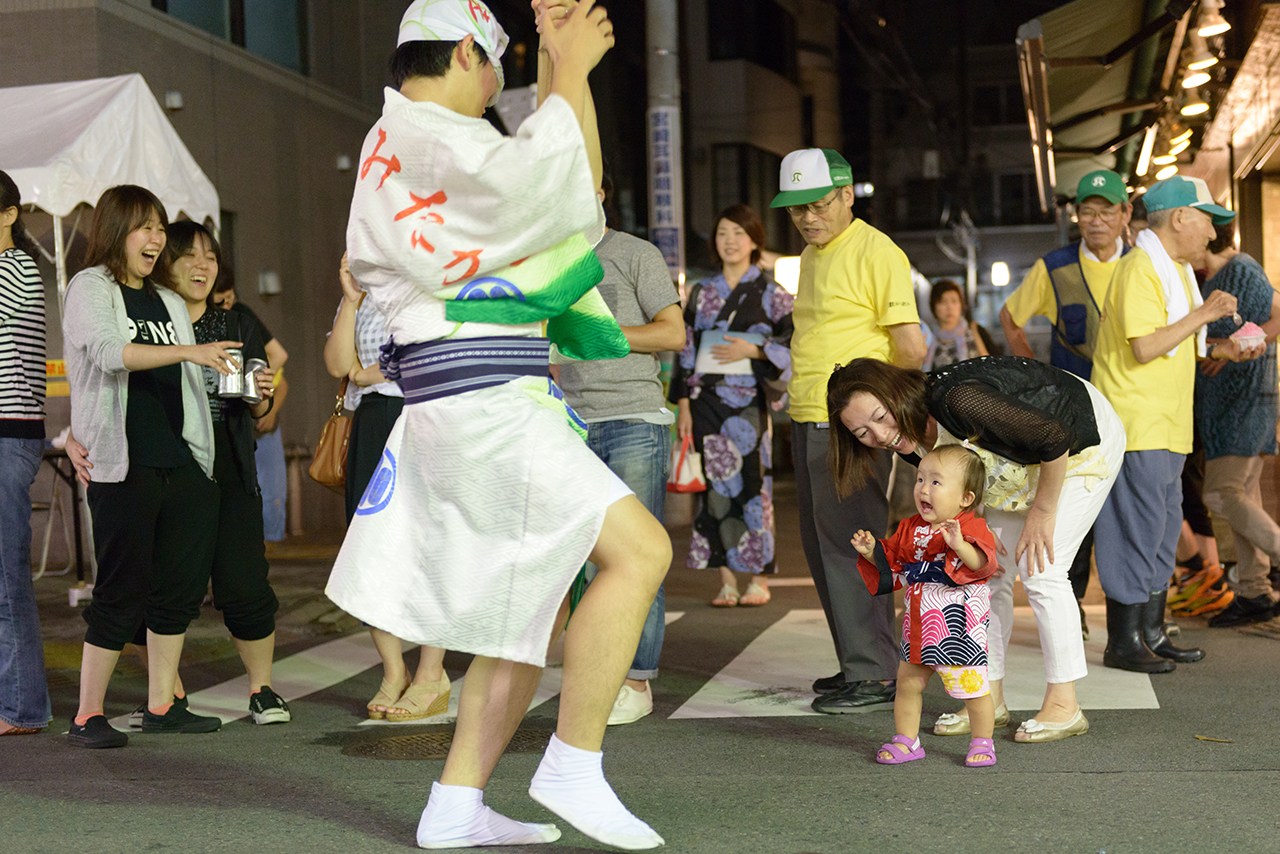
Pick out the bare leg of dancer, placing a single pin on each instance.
(633, 554)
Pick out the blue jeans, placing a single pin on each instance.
(638, 453)
(24, 694)
(272, 480)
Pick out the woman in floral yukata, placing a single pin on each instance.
(738, 337)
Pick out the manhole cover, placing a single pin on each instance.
(435, 745)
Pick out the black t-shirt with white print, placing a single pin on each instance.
(153, 419)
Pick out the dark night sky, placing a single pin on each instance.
(929, 28)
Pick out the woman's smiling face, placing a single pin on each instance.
(195, 271)
(142, 247)
(872, 424)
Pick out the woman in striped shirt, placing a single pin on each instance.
(24, 694)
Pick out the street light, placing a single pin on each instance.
(1195, 104)
(1148, 145)
(786, 272)
(1201, 56)
(999, 274)
(1211, 21)
(1195, 78)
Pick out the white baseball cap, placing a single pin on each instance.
(809, 174)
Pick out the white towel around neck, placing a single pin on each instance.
(1175, 289)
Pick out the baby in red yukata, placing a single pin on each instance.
(943, 556)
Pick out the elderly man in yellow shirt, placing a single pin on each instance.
(1151, 334)
(855, 300)
(1069, 286)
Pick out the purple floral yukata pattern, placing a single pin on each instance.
(732, 427)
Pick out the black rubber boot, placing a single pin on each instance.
(1125, 647)
(1154, 636)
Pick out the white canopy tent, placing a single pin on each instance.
(64, 143)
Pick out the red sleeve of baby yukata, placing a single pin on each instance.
(881, 575)
(975, 531)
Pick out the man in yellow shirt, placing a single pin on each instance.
(1069, 285)
(855, 300)
(1152, 332)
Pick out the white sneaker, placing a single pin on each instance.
(631, 705)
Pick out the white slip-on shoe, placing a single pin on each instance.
(631, 705)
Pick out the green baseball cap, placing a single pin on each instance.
(809, 174)
(1104, 184)
(1180, 192)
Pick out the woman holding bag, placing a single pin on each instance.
(738, 337)
(351, 352)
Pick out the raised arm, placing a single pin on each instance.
(575, 36)
(1157, 343)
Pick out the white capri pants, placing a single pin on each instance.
(1049, 592)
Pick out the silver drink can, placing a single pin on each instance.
(232, 384)
(252, 395)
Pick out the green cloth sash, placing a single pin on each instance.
(557, 285)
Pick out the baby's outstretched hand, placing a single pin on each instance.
(951, 533)
(864, 543)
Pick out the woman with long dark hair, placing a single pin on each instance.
(1052, 447)
(24, 694)
(738, 338)
(138, 405)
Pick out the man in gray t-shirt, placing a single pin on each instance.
(628, 423)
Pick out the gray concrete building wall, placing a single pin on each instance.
(735, 101)
(268, 138)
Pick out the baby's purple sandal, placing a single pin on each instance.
(900, 750)
(982, 753)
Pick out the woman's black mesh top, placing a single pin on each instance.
(1024, 410)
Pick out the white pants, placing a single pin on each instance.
(1049, 592)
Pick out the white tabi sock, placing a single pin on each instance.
(570, 782)
(456, 817)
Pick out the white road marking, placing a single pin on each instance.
(773, 675)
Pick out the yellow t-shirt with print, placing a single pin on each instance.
(1153, 400)
(850, 292)
(1035, 294)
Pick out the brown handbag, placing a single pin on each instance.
(329, 462)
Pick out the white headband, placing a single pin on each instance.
(452, 21)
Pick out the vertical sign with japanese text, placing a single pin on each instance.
(666, 190)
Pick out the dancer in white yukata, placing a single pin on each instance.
(487, 500)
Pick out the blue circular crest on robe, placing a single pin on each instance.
(377, 495)
(477, 289)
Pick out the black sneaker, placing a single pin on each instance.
(1242, 611)
(96, 733)
(268, 707)
(827, 684)
(179, 719)
(135, 717)
(857, 697)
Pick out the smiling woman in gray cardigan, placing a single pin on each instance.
(138, 404)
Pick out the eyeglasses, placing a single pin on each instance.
(817, 208)
(1108, 216)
